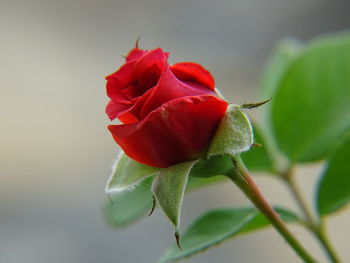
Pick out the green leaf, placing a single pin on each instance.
(334, 185)
(169, 188)
(258, 158)
(234, 134)
(217, 226)
(311, 107)
(260, 220)
(127, 173)
(286, 51)
(129, 206)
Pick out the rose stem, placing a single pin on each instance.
(245, 182)
(316, 228)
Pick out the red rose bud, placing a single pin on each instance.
(169, 113)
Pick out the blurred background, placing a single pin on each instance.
(56, 153)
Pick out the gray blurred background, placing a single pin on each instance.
(56, 153)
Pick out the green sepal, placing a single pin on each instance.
(123, 209)
(127, 174)
(169, 188)
(234, 134)
(216, 165)
(131, 206)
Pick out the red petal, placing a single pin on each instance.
(180, 130)
(118, 83)
(127, 118)
(123, 73)
(114, 90)
(120, 111)
(189, 71)
(135, 53)
(167, 89)
(114, 109)
(154, 57)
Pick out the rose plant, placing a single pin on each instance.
(177, 134)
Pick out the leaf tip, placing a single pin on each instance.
(255, 104)
(153, 206)
(177, 237)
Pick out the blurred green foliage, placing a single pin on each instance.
(310, 109)
(334, 186)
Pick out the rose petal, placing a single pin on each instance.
(168, 88)
(120, 111)
(127, 118)
(156, 57)
(189, 71)
(132, 80)
(134, 54)
(180, 130)
(114, 109)
(114, 91)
